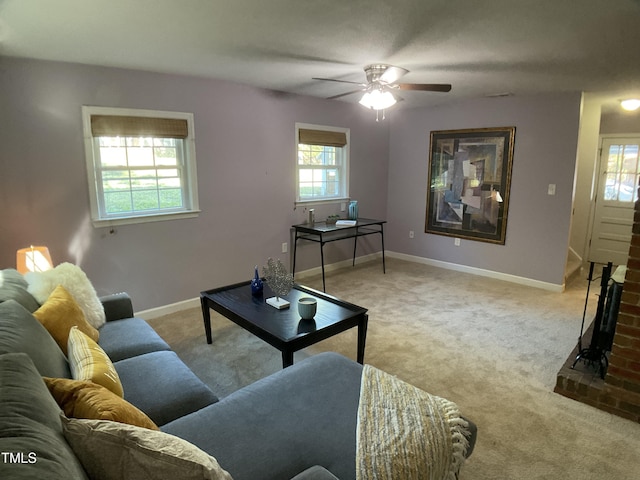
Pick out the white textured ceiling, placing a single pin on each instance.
(480, 47)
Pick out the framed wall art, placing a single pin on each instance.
(468, 183)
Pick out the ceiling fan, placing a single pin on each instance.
(381, 81)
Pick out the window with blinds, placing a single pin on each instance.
(322, 164)
(141, 164)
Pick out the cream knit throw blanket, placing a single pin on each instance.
(406, 433)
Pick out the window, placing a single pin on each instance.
(622, 173)
(141, 165)
(322, 165)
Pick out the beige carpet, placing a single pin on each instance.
(492, 347)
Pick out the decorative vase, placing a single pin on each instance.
(256, 284)
(353, 210)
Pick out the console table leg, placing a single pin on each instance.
(206, 316)
(355, 244)
(295, 247)
(384, 268)
(324, 286)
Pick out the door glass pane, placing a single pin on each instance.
(610, 189)
(621, 182)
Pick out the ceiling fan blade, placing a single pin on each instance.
(345, 94)
(392, 74)
(425, 87)
(339, 81)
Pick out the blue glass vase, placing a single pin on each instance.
(256, 284)
(353, 210)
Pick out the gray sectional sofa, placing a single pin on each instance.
(298, 423)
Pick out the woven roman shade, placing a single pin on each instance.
(125, 126)
(322, 137)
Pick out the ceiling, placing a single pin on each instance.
(518, 47)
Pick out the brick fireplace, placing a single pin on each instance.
(619, 392)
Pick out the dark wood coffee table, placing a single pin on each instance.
(284, 329)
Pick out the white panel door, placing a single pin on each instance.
(617, 193)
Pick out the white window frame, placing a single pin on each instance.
(92, 156)
(344, 167)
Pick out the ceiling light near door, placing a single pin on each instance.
(630, 104)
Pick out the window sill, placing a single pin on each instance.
(97, 223)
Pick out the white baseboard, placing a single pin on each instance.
(167, 309)
(338, 265)
(195, 302)
(479, 271)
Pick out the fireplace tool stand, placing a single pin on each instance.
(595, 354)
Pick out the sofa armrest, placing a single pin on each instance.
(117, 306)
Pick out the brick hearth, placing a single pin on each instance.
(583, 383)
(619, 392)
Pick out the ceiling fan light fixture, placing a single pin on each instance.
(378, 99)
(630, 104)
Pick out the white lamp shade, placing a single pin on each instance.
(33, 259)
(378, 100)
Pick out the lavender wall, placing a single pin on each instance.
(537, 234)
(245, 149)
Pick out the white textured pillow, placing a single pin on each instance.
(76, 282)
(111, 450)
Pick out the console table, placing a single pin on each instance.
(321, 232)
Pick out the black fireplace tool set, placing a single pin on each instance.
(595, 355)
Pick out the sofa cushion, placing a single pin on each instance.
(312, 404)
(89, 362)
(162, 386)
(30, 427)
(129, 337)
(13, 286)
(114, 451)
(59, 313)
(85, 399)
(41, 284)
(21, 332)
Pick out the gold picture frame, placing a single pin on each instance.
(469, 180)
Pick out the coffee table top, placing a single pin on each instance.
(283, 327)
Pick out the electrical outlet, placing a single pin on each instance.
(285, 247)
(552, 189)
(411, 234)
(456, 242)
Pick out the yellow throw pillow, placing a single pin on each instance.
(85, 399)
(59, 313)
(89, 362)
